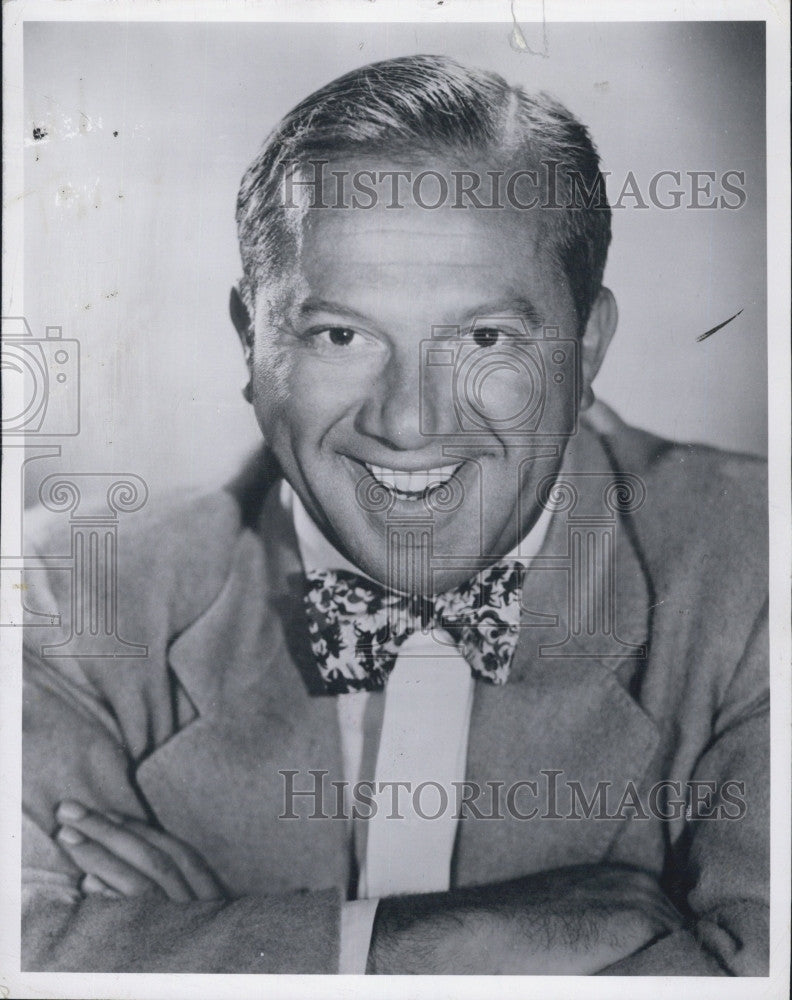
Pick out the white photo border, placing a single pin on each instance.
(776, 16)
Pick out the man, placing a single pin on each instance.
(449, 569)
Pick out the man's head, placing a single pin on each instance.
(350, 289)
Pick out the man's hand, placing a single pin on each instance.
(573, 921)
(122, 856)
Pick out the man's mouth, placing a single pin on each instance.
(412, 485)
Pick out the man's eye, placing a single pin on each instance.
(338, 336)
(488, 336)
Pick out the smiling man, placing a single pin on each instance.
(341, 389)
(461, 674)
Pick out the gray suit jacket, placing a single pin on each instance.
(193, 735)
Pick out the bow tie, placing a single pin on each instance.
(356, 626)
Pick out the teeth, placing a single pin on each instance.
(412, 485)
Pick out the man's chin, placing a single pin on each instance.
(407, 555)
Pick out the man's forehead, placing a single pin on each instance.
(364, 252)
(389, 244)
(414, 223)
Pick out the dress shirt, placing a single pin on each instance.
(412, 736)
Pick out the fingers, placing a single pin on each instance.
(122, 859)
(110, 871)
(614, 888)
(192, 866)
(92, 885)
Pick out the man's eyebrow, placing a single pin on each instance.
(517, 306)
(315, 305)
(512, 306)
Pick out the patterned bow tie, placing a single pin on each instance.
(356, 626)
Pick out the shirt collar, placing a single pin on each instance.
(317, 553)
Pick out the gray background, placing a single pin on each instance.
(130, 242)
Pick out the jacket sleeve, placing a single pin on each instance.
(722, 865)
(72, 747)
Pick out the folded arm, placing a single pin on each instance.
(616, 921)
(582, 920)
(573, 921)
(74, 749)
(577, 919)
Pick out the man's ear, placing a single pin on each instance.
(242, 320)
(596, 339)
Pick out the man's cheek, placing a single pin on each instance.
(293, 423)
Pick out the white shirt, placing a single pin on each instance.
(415, 731)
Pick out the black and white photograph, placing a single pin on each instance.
(396, 533)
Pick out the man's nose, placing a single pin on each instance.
(408, 406)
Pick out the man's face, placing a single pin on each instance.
(372, 426)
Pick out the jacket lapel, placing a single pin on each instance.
(216, 782)
(566, 715)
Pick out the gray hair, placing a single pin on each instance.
(430, 105)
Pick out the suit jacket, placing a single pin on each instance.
(194, 734)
